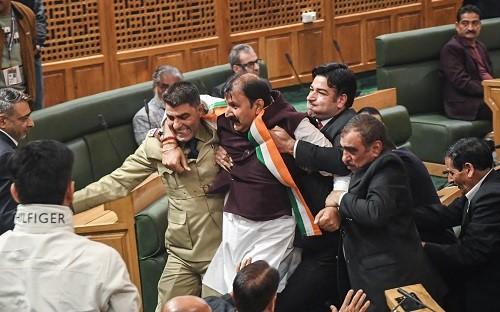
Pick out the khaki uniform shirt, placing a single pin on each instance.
(194, 217)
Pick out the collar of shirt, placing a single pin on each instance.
(15, 142)
(40, 219)
(325, 121)
(470, 194)
(466, 42)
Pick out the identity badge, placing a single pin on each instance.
(12, 75)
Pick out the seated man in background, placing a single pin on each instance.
(242, 59)
(194, 217)
(380, 244)
(44, 265)
(472, 265)
(150, 116)
(464, 63)
(15, 123)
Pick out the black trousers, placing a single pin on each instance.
(313, 285)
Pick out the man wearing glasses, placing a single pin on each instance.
(464, 63)
(15, 123)
(242, 58)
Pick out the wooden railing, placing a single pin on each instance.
(98, 45)
(492, 98)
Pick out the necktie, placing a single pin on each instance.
(193, 151)
(320, 124)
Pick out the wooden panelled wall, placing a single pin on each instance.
(98, 45)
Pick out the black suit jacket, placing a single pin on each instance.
(475, 259)
(463, 92)
(381, 245)
(423, 195)
(329, 159)
(7, 203)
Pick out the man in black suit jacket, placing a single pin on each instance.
(464, 63)
(312, 287)
(329, 102)
(380, 245)
(15, 122)
(474, 262)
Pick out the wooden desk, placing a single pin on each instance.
(492, 98)
(113, 223)
(419, 290)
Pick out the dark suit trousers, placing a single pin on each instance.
(312, 287)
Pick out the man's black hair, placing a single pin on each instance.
(255, 286)
(468, 8)
(470, 150)
(182, 92)
(41, 171)
(251, 85)
(339, 77)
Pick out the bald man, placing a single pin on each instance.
(186, 304)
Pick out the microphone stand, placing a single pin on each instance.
(290, 62)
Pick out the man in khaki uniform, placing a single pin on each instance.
(194, 218)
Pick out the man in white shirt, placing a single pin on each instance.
(44, 265)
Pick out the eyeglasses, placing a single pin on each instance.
(250, 64)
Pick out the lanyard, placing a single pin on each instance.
(10, 35)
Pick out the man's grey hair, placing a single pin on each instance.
(9, 97)
(234, 54)
(166, 69)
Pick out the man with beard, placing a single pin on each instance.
(15, 123)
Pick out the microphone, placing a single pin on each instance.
(409, 296)
(146, 108)
(336, 45)
(290, 62)
(104, 125)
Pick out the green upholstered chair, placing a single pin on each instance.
(409, 62)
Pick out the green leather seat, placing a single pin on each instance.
(397, 121)
(151, 224)
(409, 62)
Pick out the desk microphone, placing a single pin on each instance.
(290, 62)
(409, 296)
(146, 108)
(336, 45)
(104, 125)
